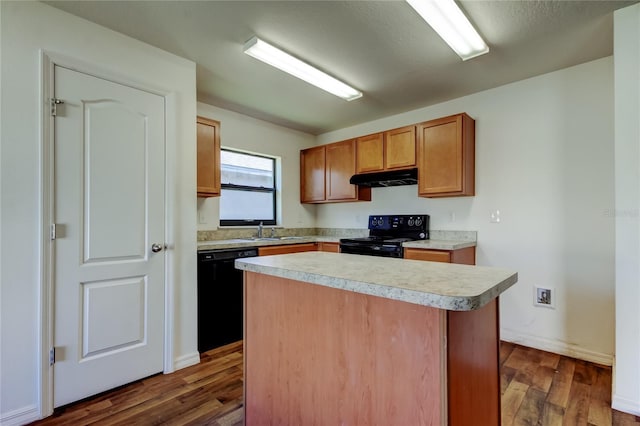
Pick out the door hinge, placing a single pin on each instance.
(52, 356)
(54, 105)
(53, 231)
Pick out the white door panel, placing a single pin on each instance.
(109, 199)
(103, 332)
(112, 129)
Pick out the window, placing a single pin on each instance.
(248, 194)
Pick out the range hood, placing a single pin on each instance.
(382, 179)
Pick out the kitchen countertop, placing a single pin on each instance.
(441, 285)
(247, 242)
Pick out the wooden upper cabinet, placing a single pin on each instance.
(312, 174)
(400, 148)
(325, 172)
(341, 165)
(393, 149)
(370, 153)
(208, 157)
(446, 157)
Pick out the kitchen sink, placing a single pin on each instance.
(270, 238)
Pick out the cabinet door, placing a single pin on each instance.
(208, 157)
(400, 148)
(370, 153)
(286, 249)
(330, 247)
(428, 255)
(340, 166)
(312, 175)
(446, 157)
(464, 256)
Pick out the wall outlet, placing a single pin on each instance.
(543, 296)
(494, 216)
(202, 218)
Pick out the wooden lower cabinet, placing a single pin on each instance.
(285, 249)
(465, 256)
(316, 355)
(330, 247)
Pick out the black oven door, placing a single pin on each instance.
(382, 250)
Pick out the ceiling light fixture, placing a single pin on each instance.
(273, 56)
(446, 18)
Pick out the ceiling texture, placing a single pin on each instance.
(382, 48)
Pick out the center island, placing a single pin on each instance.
(341, 339)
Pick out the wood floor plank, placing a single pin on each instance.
(505, 351)
(601, 390)
(577, 412)
(561, 385)
(511, 401)
(525, 361)
(599, 413)
(531, 408)
(506, 375)
(624, 419)
(548, 359)
(551, 415)
(538, 388)
(542, 378)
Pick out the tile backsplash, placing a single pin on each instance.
(230, 234)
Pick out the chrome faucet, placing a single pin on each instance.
(260, 230)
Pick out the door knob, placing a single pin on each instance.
(156, 247)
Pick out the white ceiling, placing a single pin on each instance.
(382, 48)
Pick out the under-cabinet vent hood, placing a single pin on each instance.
(390, 178)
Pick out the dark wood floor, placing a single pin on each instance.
(209, 393)
(541, 388)
(538, 388)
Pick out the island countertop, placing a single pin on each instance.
(441, 285)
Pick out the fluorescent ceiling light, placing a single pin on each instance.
(446, 18)
(273, 56)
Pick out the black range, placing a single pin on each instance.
(386, 235)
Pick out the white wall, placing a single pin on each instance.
(544, 158)
(249, 134)
(27, 27)
(626, 386)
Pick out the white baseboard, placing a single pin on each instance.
(625, 405)
(555, 346)
(186, 360)
(20, 416)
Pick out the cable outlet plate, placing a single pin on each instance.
(544, 296)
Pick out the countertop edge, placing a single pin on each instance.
(243, 243)
(441, 301)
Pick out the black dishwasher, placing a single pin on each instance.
(220, 298)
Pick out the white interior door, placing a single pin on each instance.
(109, 211)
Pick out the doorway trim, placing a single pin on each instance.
(48, 61)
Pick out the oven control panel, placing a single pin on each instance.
(403, 223)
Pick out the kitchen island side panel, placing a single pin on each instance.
(316, 355)
(473, 361)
